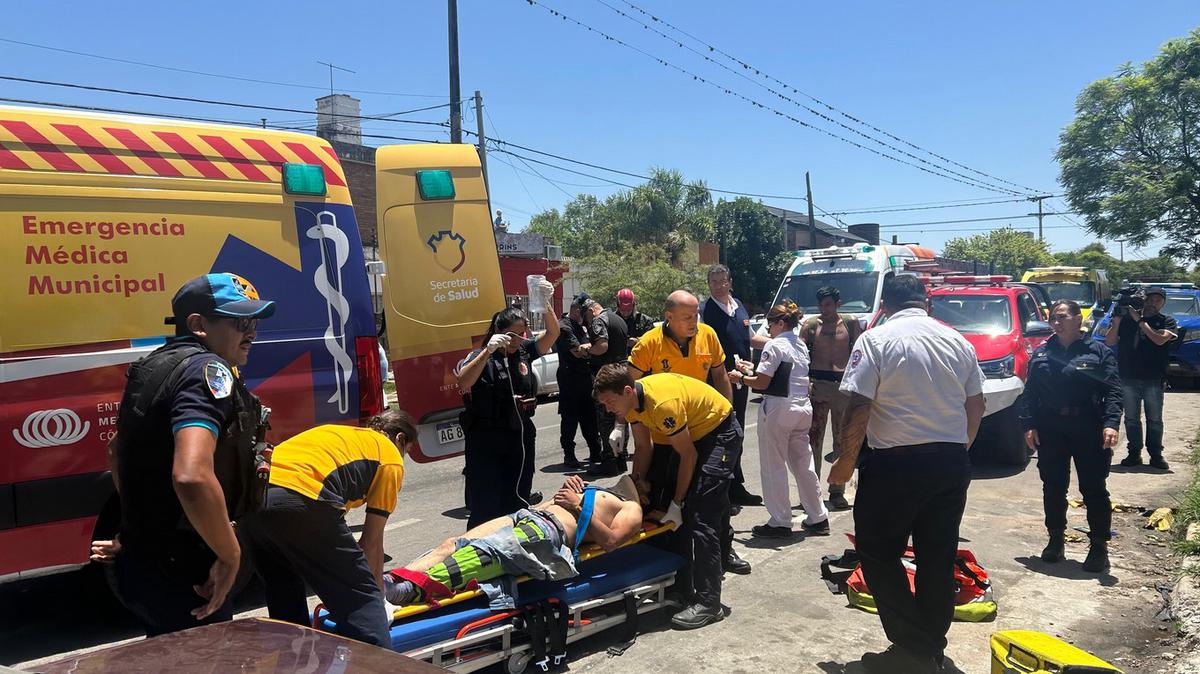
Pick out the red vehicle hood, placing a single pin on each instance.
(991, 347)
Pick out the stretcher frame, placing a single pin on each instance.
(469, 652)
(476, 651)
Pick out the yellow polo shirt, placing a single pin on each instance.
(669, 403)
(341, 465)
(657, 352)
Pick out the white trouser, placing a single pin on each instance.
(783, 446)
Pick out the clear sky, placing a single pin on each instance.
(989, 85)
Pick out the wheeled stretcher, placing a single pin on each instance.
(462, 634)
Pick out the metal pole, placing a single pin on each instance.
(812, 223)
(1040, 218)
(482, 138)
(455, 95)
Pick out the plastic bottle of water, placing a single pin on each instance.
(537, 303)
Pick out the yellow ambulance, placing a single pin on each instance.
(1085, 285)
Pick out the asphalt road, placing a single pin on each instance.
(60, 614)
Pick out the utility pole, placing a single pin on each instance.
(812, 223)
(1040, 214)
(482, 137)
(1122, 242)
(455, 95)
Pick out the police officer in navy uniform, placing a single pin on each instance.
(609, 343)
(575, 403)
(183, 459)
(1071, 410)
(500, 397)
(730, 319)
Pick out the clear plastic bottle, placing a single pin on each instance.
(537, 303)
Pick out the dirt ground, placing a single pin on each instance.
(784, 619)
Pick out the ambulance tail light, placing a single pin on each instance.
(370, 377)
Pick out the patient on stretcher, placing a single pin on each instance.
(541, 543)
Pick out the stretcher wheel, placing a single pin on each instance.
(517, 662)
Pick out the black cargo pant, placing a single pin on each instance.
(295, 540)
(741, 397)
(918, 491)
(610, 459)
(706, 536)
(578, 411)
(1080, 439)
(499, 470)
(156, 578)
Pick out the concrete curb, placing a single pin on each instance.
(1185, 599)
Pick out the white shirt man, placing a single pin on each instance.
(917, 391)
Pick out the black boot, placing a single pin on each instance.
(1097, 558)
(1053, 552)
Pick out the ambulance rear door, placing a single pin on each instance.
(442, 284)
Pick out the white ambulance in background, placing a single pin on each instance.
(857, 271)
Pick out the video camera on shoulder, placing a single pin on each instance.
(1129, 298)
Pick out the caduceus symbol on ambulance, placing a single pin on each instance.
(328, 281)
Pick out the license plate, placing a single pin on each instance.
(449, 432)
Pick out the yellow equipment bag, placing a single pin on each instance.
(1029, 652)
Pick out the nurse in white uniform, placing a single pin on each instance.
(783, 422)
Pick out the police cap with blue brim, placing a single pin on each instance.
(222, 294)
(582, 301)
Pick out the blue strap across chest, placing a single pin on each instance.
(585, 516)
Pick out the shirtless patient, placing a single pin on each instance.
(453, 565)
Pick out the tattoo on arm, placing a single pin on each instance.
(854, 426)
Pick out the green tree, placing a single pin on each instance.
(1011, 252)
(1094, 256)
(1160, 269)
(1129, 160)
(646, 269)
(752, 241)
(665, 212)
(575, 228)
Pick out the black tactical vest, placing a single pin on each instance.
(146, 447)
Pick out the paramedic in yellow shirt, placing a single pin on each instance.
(702, 429)
(301, 535)
(680, 345)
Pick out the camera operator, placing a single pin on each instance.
(1145, 337)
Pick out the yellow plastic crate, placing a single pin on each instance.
(1029, 652)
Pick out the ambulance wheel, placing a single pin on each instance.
(517, 663)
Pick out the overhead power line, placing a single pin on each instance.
(750, 68)
(927, 208)
(942, 173)
(190, 71)
(165, 115)
(951, 222)
(817, 113)
(955, 230)
(206, 101)
(921, 203)
(499, 145)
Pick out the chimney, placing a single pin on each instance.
(868, 231)
(338, 119)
